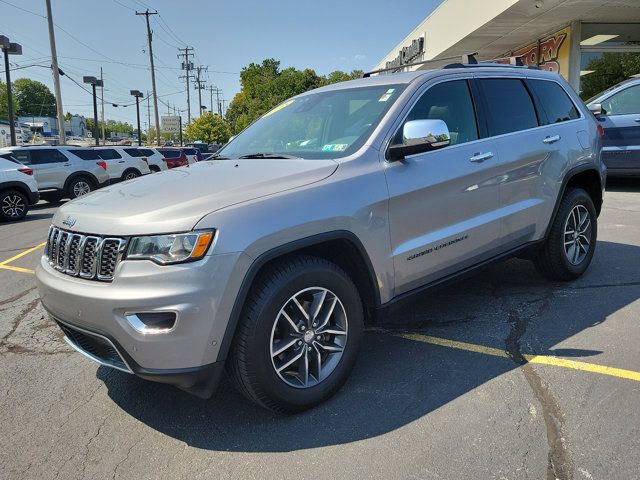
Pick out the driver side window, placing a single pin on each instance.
(450, 102)
(626, 102)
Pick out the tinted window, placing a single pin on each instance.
(46, 155)
(555, 101)
(11, 158)
(134, 152)
(190, 151)
(86, 154)
(108, 154)
(22, 156)
(626, 102)
(509, 105)
(450, 102)
(146, 152)
(170, 153)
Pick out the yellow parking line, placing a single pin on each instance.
(22, 254)
(541, 359)
(16, 269)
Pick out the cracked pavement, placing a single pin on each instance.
(410, 409)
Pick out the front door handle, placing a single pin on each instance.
(481, 157)
(636, 120)
(121, 161)
(66, 164)
(551, 139)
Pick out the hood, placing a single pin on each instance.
(175, 200)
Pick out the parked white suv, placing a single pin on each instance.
(154, 158)
(121, 165)
(18, 188)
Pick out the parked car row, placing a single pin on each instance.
(51, 173)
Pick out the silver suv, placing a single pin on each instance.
(64, 171)
(333, 206)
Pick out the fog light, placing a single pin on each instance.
(152, 322)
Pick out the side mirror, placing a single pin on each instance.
(596, 109)
(420, 136)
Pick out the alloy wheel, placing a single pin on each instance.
(81, 188)
(577, 234)
(13, 206)
(308, 337)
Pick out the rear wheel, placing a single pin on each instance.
(571, 242)
(130, 174)
(14, 205)
(79, 186)
(299, 335)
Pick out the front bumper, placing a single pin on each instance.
(201, 294)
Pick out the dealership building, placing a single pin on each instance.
(592, 43)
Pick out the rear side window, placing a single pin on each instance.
(42, 156)
(450, 102)
(170, 153)
(509, 105)
(86, 154)
(146, 152)
(108, 154)
(555, 102)
(22, 156)
(134, 152)
(190, 151)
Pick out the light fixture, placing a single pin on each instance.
(585, 72)
(596, 39)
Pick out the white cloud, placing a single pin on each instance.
(359, 56)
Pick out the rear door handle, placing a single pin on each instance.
(66, 164)
(481, 157)
(551, 139)
(636, 120)
(121, 161)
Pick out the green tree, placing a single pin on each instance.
(608, 70)
(209, 128)
(34, 98)
(4, 108)
(264, 85)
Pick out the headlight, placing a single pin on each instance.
(170, 248)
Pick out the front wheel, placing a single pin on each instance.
(571, 242)
(299, 334)
(14, 205)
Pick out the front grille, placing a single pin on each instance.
(86, 256)
(95, 345)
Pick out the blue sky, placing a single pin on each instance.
(226, 35)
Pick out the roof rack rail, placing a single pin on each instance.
(470, 58)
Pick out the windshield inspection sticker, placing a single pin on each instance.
(335, 147)
(386, 96)
(279, 107)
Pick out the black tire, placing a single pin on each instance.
(79, 186)
(14, 205)
(130, 174)
(250, 363)
(553, 260)
(51, 197)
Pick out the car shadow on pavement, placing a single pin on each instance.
(629, 184)
(399, 380)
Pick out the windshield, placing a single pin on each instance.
(329, 124)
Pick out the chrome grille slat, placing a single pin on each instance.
(87, 256)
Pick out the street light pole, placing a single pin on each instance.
(138, 94)
(56, 75)
(13, 49)
(94, 83)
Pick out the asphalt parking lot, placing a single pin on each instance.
(504, 375)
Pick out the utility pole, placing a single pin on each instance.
(94, 82)
(187, 66)
(146, 13)
(56, 74)
(217, 91)
(102, 100)
(138, 94)
(199, 85)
